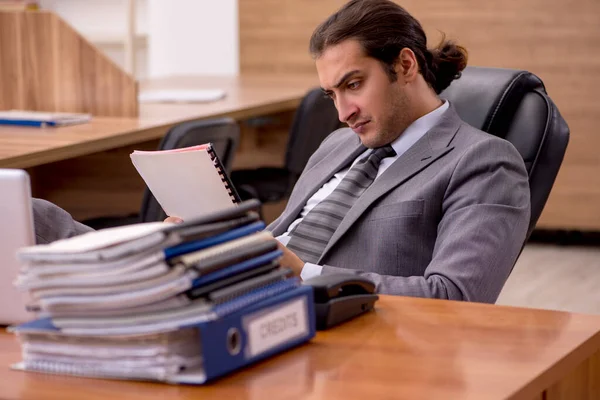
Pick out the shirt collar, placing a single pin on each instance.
(418, 129)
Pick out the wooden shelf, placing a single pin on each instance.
(47, 66)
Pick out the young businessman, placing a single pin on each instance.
(442, 210)
(409, 195)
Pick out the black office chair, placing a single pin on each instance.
(315, 118)
(223, 133)
(514, 105)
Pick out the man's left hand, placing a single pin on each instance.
(290, 260)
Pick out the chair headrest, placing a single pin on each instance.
(487, 98)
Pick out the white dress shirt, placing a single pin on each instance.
(410, 136)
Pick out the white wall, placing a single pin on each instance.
(182, 37)
(192, 37)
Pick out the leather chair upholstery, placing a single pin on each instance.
(514, 105)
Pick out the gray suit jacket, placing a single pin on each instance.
(446, 220)
(53, 223)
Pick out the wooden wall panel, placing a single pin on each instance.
(38, 70)
(557, 40)
(11, 95)
(274, 34)
(45, 65)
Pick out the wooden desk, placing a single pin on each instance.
(247, 96)
(86, 168)
(407, 349)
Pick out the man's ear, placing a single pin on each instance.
(406, 65)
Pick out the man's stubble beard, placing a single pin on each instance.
(396, 120)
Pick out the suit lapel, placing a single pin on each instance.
(435, 144)
(313, 179)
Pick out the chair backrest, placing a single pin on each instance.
(514, 105)
(223, 133)
(315, 118)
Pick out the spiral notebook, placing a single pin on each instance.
(189, 182)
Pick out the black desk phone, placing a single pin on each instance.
(340, 297)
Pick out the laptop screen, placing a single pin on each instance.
(16, 230)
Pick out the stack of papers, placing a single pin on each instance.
(180, 95)
(128, 302)
(151, 357)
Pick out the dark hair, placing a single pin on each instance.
(383, 29)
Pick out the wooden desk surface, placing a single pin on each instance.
(247, 95)
(407, 349)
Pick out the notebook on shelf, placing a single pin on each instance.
(189, 182)
(42, 119)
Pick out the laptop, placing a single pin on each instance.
(16, 230)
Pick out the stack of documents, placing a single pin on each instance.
(167, 302)
(180, 95)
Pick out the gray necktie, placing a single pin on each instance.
(311, 235)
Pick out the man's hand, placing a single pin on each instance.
(174, 220)
(290, 260)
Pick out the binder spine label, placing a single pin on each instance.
(276, 326)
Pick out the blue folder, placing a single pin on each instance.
(230, 343)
